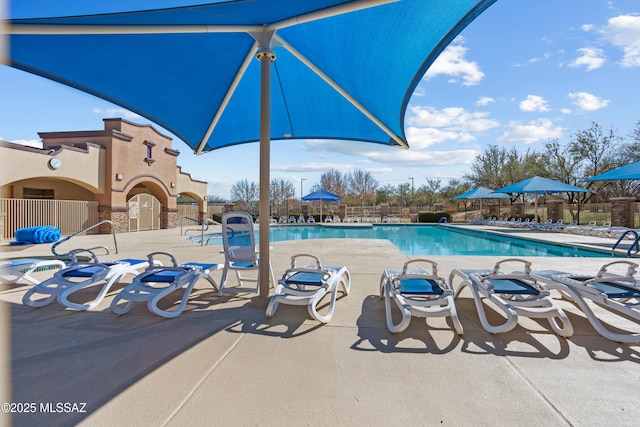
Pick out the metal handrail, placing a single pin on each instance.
(204, 226)
(104, 221)
(635, 243)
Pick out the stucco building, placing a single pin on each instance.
(129, 170)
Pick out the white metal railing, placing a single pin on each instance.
(70, 216)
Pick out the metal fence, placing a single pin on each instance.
(69, 216)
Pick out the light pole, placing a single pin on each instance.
(301, 193)
(412, 197)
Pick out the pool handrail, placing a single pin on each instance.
(104, 221)
(204, 226)
(635, 243)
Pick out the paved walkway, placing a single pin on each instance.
(222, 362)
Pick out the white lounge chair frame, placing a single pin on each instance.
(425, 302)
(240, 258)
(580, 288)
(12, 271)
(532, 300)
(315, 281)
(156, 282)
(80, 275)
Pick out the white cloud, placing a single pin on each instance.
(566, 110)
(624, 32)
(587, 102)
(452, 62)
(534, 103)
(533, 131)
(483, 101)
(36, 143)
(117, 112)
(311, 167)
(587, 27)
(451, 119)
(592, 58)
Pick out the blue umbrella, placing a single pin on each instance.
(481, 193)
(322, 195)
(630, 172)
(538, 185)
(342, 69)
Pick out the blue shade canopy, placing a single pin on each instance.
(541, 185)
(345, 76)
(630, 172)
(481, 193)
(322, 195)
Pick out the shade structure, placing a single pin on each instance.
(629, 172)
(481, 193)
(325, 68)
(322, 195)
(538, 185)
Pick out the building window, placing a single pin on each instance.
(149, 159)
(37, 193)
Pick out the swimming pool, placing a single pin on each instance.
(425, 240)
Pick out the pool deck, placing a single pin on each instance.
(222, 362)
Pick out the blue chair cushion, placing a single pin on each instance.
(418, 286)
(512, 287)
(306, 279)
(616, 290)
(162, 276)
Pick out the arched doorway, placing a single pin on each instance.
(144, 212)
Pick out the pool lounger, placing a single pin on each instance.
(616, 293)
(156, 282)
(14, 270)
(515, 294)
(80, 275)
(417, 292)
(308, 285)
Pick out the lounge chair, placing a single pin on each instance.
(15, 270)
(515, 294)
(156, 282)
(417, 292)
(308, 285)
(292, 219)
(80, 275)
(240, 253)
(617, 293)
(311, 220)
(327, 219)
(301, 219)
(283, 220)
(336, 218)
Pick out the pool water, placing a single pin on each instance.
(422, 240)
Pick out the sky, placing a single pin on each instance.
(521, 74)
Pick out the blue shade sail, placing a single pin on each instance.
(541, 185)
(481, 193)
(322, 195)
(629, 172)
(178, 77)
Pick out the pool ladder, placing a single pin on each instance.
(634, 246)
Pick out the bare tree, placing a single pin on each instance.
(362, 186)
(281, 191)
(245, 194)
(334, 182)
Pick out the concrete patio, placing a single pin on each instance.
(222, 362)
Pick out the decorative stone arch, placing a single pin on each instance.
(202, 203)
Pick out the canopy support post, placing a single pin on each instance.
(266, 57)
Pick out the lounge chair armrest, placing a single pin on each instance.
(434, 266)
(153, 262)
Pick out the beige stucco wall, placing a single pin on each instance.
(108, 166)
(84, 167)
